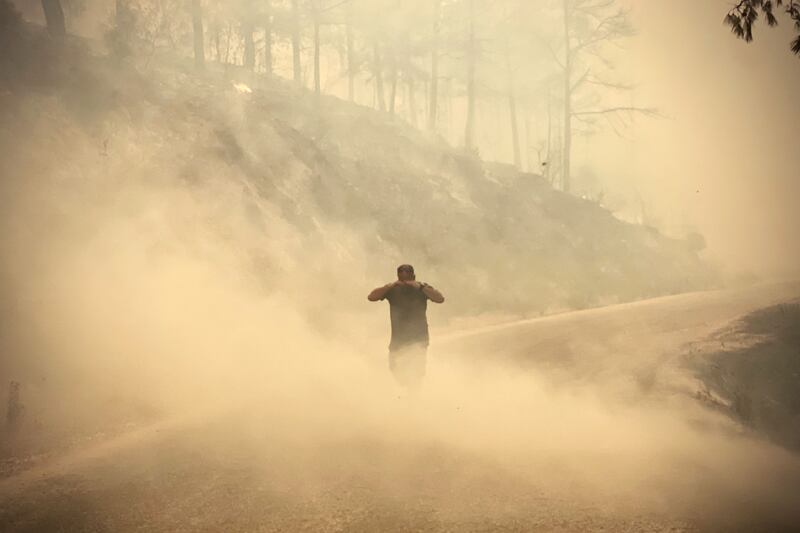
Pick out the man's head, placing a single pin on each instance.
(405, 273)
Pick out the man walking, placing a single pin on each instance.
(408, 303)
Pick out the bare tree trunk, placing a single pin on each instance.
(567, 144)
(199, 41)
(412, 103)
(556, 176)
(215, 40)
(351, 55)
(512, 109)
(528, 164)
(393, 91)
(469, 130)
(249, 45)
(315, 17)
(378, 73)
(298, 73)
(228, 44)
(426, 94)
(54, 16)
(434, 87)
(268, 36)
(548, 155)
(448, 107)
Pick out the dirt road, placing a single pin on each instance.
(583, 421)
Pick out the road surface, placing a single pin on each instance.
(582, 421)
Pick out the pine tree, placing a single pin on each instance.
(742, 17)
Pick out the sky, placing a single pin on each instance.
(724, 160)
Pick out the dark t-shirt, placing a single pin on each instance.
(407, 307)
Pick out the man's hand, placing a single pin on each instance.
(412, 283)
(434, 295)
(380, 292)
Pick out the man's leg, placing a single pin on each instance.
(407, 363)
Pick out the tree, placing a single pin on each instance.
(512, 107)
(411, 93)
(249, 45)
(267, 17)
(587, 26)
(514, 72)
(351, 51)
(296, 67)
(246, 14)
(147, 25)
(472, 59)
(744, 14)
(336, 13)
(375, 21)
(377, 69)
(315, 18)
(568, 94)
(199, 40)
(434, 85)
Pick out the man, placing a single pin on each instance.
(408, 303)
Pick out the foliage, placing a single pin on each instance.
(744, 14)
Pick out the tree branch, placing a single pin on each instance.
(649, 111)
(579, 81)
(609, 84)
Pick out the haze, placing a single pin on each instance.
(190, 230)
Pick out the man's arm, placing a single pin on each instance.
(380, 292)
(434, 295)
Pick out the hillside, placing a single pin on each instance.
(751, 370)
(263, 180)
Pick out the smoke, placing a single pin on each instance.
(131, 280)
(720, 161)
(144, 290)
